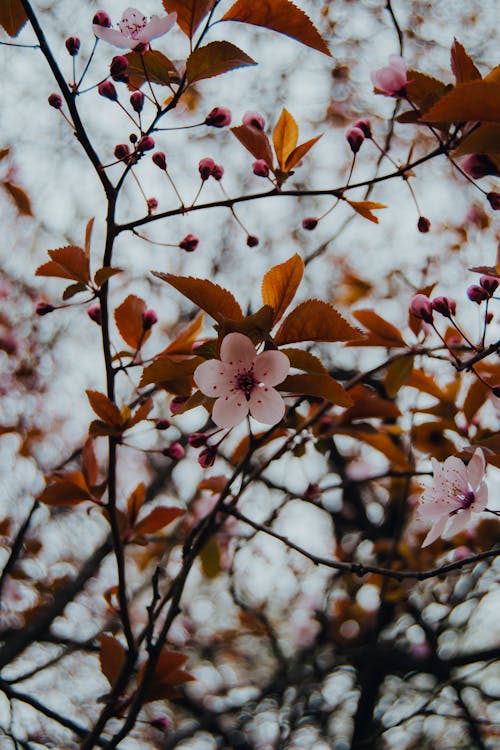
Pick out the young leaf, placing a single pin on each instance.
(216, 301)
(476, 100)
(111, 657)
(214, 59)
(128, 317)
(104, 408)
(88, 237)
(365, 208)
(103, 274)
(257, 326)
(210, 559)
(157, 519)
(462, 66)
(280, 284)
(69, 262)
(384, 333)
(302, 360)
(485, 140)
(397, 375)
(318, 384)
(73, 289)
(159, 69)
(141, 413)
(368, 405)
(167, 675)
(89, 463)
(19, 196)
(175, 375)
(314, 320)
(256, 142)
(299, 153)
(423, 90)
(281, 16)
(135, 502)
(69, 488)
(285, 137)
(190, 13)
(12, 16)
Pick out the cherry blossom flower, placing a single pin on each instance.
(135, 29)
(392, 79)
(457, 493)
(242, 382)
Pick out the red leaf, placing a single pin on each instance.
(476, 100)
(69, 262)
(12, 16)
(89, 463)
(299, 152)
(214, 59)
(111, 657)
(462, 66)
(280, 284)
(385, 333)
(128, 317)
(314, 320)
(365, 208)
(281, 16)
(104, 408)
(190, 13)
(65, 489)
(135, 502)
(183, 342)
(172, 374)
(20, 198)
(320, 385)
(157, 519)
(216, 301)
(256, 142)
(141, 413)
(159, 68)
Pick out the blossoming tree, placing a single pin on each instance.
(253, 493)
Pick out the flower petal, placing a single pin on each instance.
(476, 468)
(237, 350)
(435, 532)
(266, 405)
(230, 410)
(458, 523)
(214, 378)
(271, 367)
(113, 36)
(158, 26)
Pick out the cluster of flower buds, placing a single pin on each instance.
(484, 290)
(424, 308)
(208, 168)
(218, 117)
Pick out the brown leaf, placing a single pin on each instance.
(89, 463)
(190, 13)
(255, 141)
(135, 502)
(476, 100)
(176, 376)
(423, 90)
(303, 360)
(141, 413)
(314, 320)
(281, 16)
(159, 68)
(368, 405)
(210, 559)
(423, 382)
(214, 59)
(476, 396)
(216, 301)
(397, 375)
(12, 16)
(128, 317)
(104, 408)
(285, 137)
(485, 139)
(157, 519)
(20, 197)
(385, 333)
(111, 657)
(66, 489)
(73, 289)
(88, 237)
(69, 262)
(462, 66)
(214, 484)
(380, 441)
(365, 208)
(299, 152)
(280, 284)
(167, 676)
(319, 385)
(103, 274)
(183, 342)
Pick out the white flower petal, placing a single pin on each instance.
(266, 405)
(271, 367)
(230, 410)
(435, 532)
(214, 378)
(476, 469)
(458, 523)
(480, 498)
(237, 350)
(113, 36)
(158, 26)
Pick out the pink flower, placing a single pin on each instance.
(135, 29)
(392, 79)
(242, 382)
(458, 492)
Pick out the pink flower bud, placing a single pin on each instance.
(355, 138)
(309, 223)
(55, 101)
(175, 451)
(162, 424)
(122, 151)
(101, 18)
(160, 160)
(162, 724)
(205, 167)
(197, 439)
(177, 404)
(260, 168)
(107, 89)
(94, 313)
(391, 80)
(189, 243)
(479, 165)
(152, 205)
(252, 240)
(494, 201)
(207, 457)
(421, 307)
(217, 172)
(149, 318)
(489, 284)
(219, 117)
(364, 125)
(133, 138)
(488, 318)
(312, 492)
(73, 45)
(254, 120)
(146, 143)
(445, 306)
(137, 101)
(118, 68)
(423, 224)
(43, 308)
(477, 294)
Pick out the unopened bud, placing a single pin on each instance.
(73, 45)
(260, 168)
(217, 172)
(162, 424)
(364, 125)
(355, 138)
(162, 724)
(107, 89)
(423, 224)
(489, 284)
(101, 18)
(133, 138)
(488, 318)
(189, 243)
(118, 68)
(205, 167)
(152, 205)
(444, 306)
(137, 101)
(122, 151)
(254, 119)
(207, 457)
(175, 451)
(309, 223)
(55, 101)
(219, 117)
(421, 307)
(477, 294)
(160, 159)
(146, 143)
(43, 308)
(312, 492)
(94, 313)
(197, 439)
(494, 201)
(479, 165)
(252, 240)
(149, 318)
